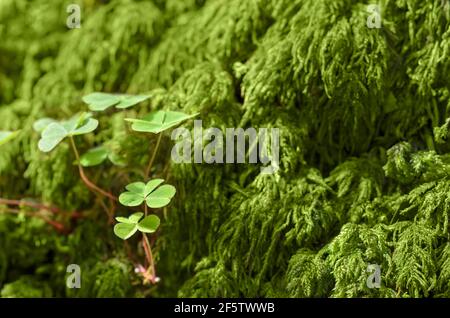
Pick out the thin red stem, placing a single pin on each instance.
(58, 226)
(85, 179)
(29, 204)
(39, 206)
(149, 255)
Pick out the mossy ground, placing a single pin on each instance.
(365, 162)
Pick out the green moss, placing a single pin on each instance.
(26, 287)
(364, 165)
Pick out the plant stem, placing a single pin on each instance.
(38, 206)
(58, 226)
(150, 164)
(29, 204)
(148, 253)
(165, 172)
(83, 176)
(109, 211)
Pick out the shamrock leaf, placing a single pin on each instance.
(128, 226)
(132, 219)
(149, 224)
(6, 136)
(94, 156)
(53, 132)
(160, 197)
(52, 135)
(152, 193)
(158, 121)
(40, 124)
(134, 196)
(102, 101)
(125, 230)
(97, 155)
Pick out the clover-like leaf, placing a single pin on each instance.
(6, 136)
(152, 193)
(152, 185)
(123, 219)
(135, 217)
(132, 219)
(125, 230)
(138, 191)
(51, 136)
(54, 132)
(87, 126)
(40, 124)
(80, 122)
(94, 156)
(128, 226)
(158, 121)
(149, 224)
(161, 196)
(101, 101)
(97, 155)
(134, 196)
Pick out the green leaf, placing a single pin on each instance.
(6, 136)
(101, 101)
(128, 226)
(152, 185)
(135, 217)
(125, 230)
(52, 135)
(156, 196)
(131, 100)
(135, 194)
(54, 132)
(132, 219)
(122, 219)
(149, 224)
(130, 199)
(158, 121)
(94, 156)
(97, 155)
(86, 127)
(136, 187)
(73, 122)
(161, 196)
(42, 123)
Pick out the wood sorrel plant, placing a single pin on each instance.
(151, 194)
(148, 193)
(53, 132)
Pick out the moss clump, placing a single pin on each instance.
(364, 162)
